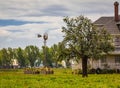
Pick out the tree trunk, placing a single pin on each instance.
(84, 66)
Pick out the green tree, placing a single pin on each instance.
(0, 58)
(7, 56)
(32, 54)
(64, 53)
(59, 53)
(23, 62)
(85, 40)
(54, 53)
(47, 56)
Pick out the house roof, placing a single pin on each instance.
(109, 24)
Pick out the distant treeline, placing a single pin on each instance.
(32, 55)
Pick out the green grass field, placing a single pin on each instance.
(62, 78)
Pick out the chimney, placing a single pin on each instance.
(116, 15)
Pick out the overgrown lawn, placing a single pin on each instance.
(62, 78)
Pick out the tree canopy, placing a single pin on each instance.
(85, 40)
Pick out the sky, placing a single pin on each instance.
(22, 20)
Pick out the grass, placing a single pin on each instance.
(62, 78)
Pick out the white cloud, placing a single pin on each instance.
(45, 16)
(4, 32)
(28, 32)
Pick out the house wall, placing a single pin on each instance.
(15, 63)
(109, 64)
(94, 64)
(76, 65)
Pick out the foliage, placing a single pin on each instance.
(7, 55)
(59, 53)
(23, 62)
(47, 60)
(85, 40)
(0, 58)
(25, 57)
(54, 53)
(32, 54)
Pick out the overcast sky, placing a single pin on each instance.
(22, 20)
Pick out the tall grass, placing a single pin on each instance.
(62, 78)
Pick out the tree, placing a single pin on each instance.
(59, 53)
(23, 62)
(85, 40)
(64, 53)
(0, 58)
(46, 56)
(32, 54)
(54, 53)
(7, 55)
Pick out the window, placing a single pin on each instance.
(117, 59)
(117, 48)
(103, 60)
(117, 41)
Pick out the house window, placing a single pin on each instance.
(117, 59)
(117, 48)
(117, 41)
(103, 60)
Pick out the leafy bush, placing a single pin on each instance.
(92, 71)
(103, 71)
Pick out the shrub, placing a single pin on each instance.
(92, 71)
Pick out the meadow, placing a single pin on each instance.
(62, 78)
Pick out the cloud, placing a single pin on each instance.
(22, 35)
(55, 10)
(21, 8)
(22, 20)
(4, 32)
